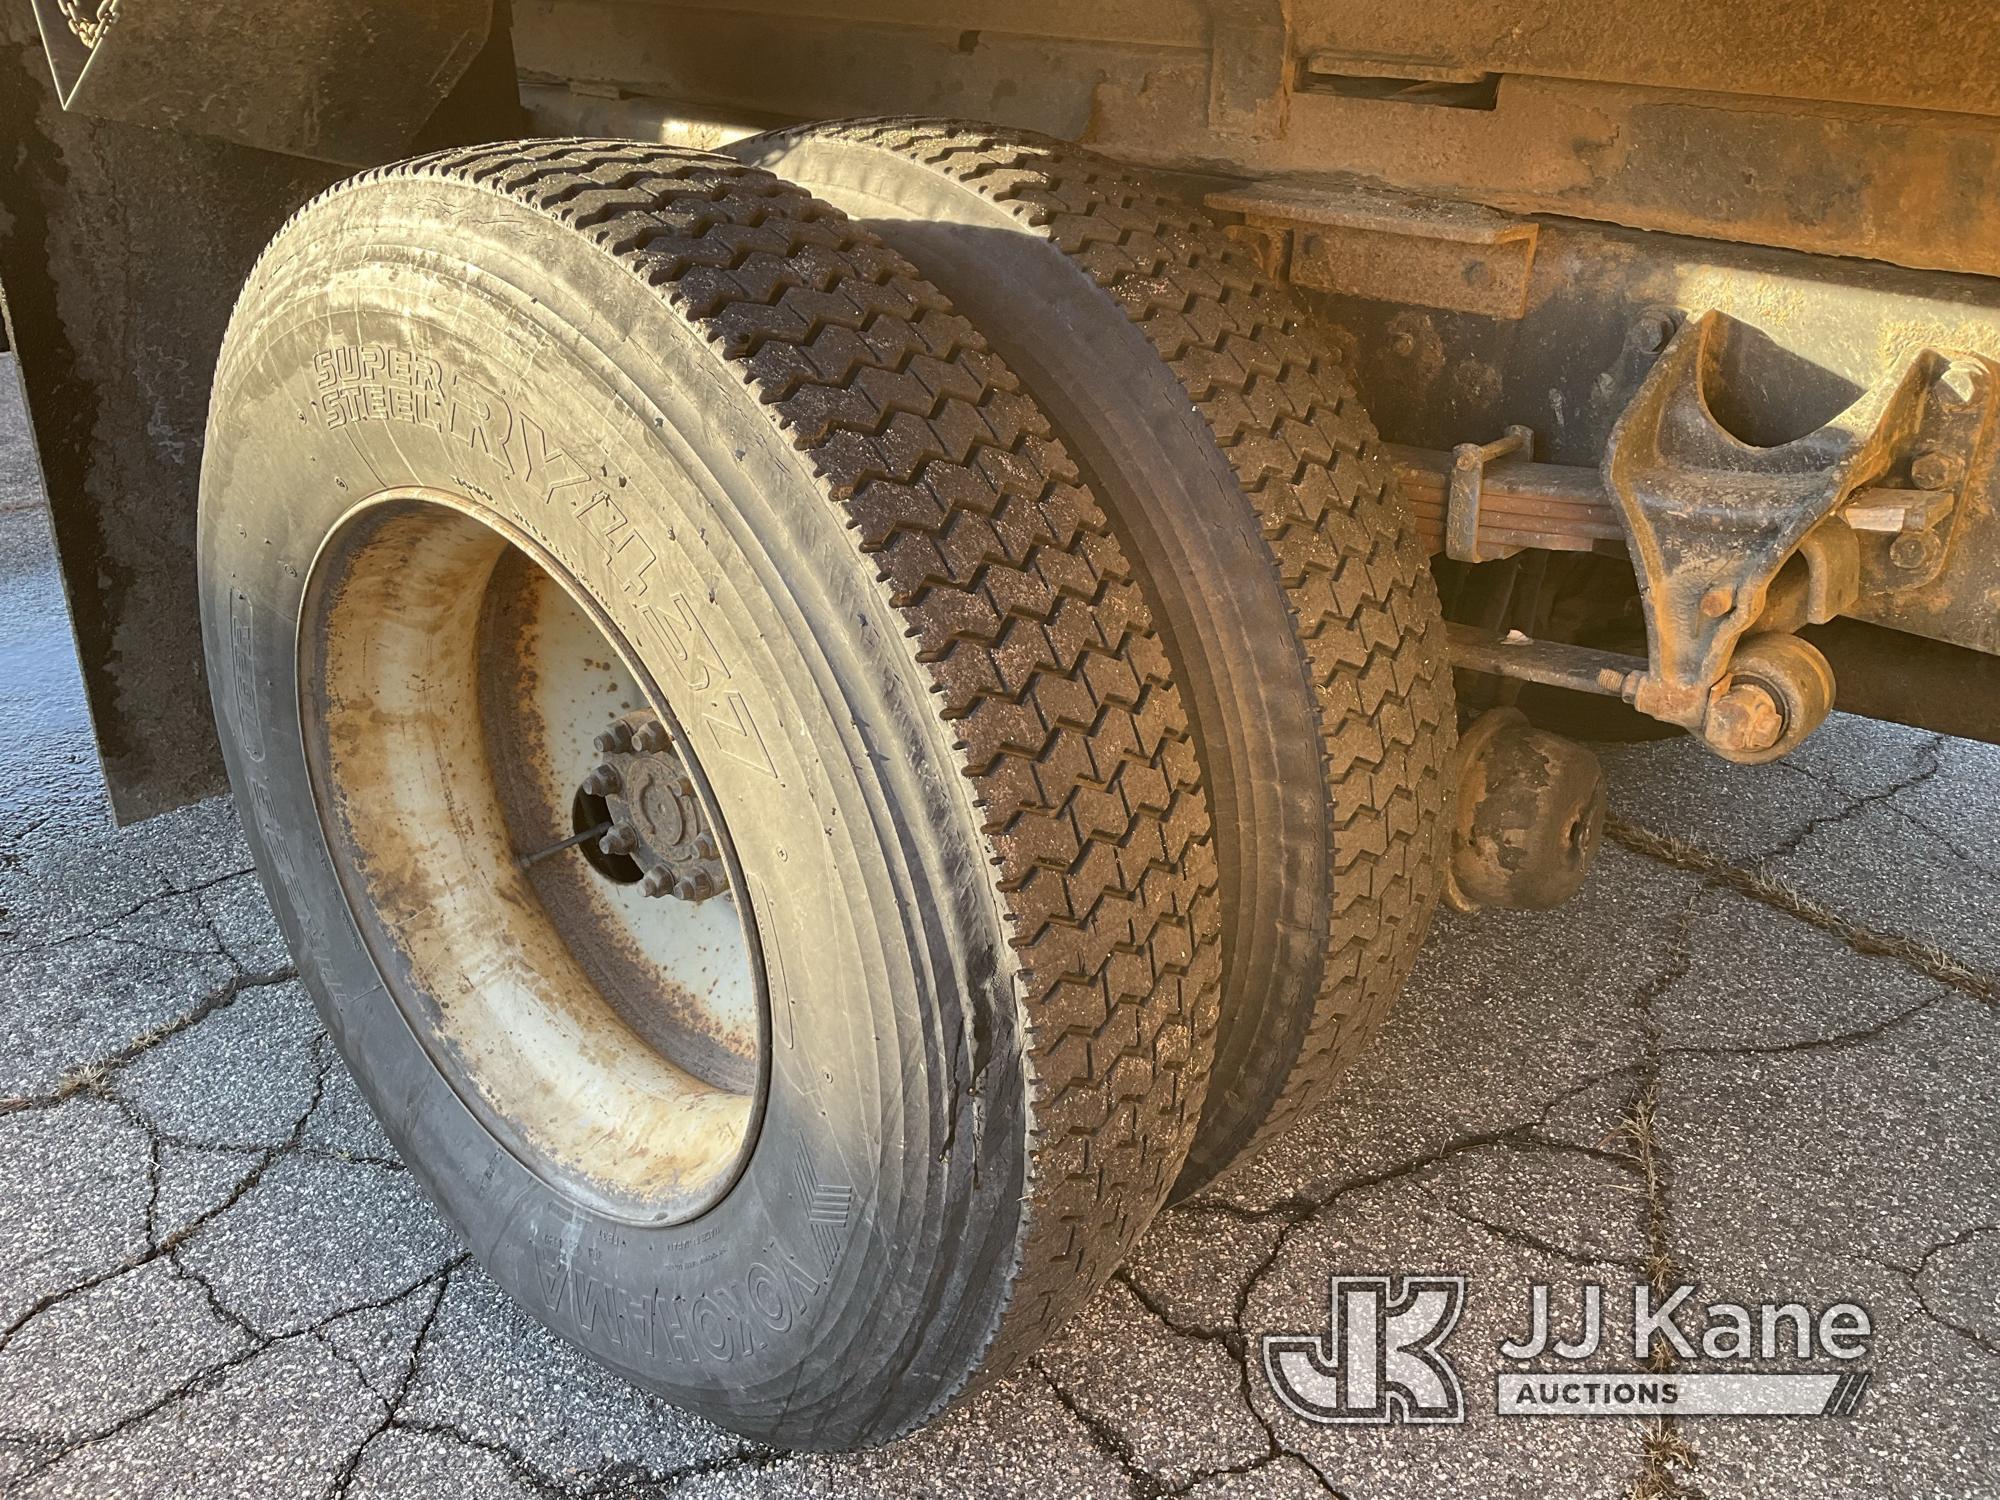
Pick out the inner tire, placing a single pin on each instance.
(519, 439)
(1247, 483)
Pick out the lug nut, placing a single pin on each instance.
(622, 839)
(602, 782)
(1744, 718)
(659, 880)
(617, 737)
(651, 737)
(695, 886)
(704, 847)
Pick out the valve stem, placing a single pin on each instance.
(522, 861)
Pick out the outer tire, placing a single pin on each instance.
(1312, 653)
(977, 844)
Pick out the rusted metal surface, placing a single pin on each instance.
(1736, 545)
(1786, 154)
(1710, 520)
(1807, 339)
(1565, 508)
(1915, 189)
(1778, 690)
(1250, 54)
(657, 822)
(349, 83)
(1560, 507)
(1463, 490)
(1924, 54)
(451, 687)
(553, 698)
(1346, 235)
(1550, 663)
(1530, 811)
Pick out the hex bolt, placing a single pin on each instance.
(622, 839)
(658, 882)
(1932, 470)
(1651, 333)
(603, 781)
(1717, 601)
(1915, 549)
(1745, 718)
(650, 737)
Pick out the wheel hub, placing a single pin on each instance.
(656, 818)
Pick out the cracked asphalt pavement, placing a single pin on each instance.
(1758, 1052)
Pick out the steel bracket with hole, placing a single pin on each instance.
(1711, 521)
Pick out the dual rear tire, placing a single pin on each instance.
(515, 448)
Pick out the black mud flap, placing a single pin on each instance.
(121, 251)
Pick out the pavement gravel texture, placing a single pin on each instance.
(1757, 1052)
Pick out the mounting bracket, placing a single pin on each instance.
(1710, 519)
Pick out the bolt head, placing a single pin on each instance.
(1745, 717)
(603, 781)
(658, 881)
(1717, 602)
(650, 737)
(1652, 333)
(622, 839)
(695, 886)
(1932, 470)
(1914, 549)
(1404, 344)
